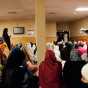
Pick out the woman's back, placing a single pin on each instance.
(16, 74)
(50, 74)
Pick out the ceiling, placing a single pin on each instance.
(56, 10)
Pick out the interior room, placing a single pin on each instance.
(39, 28)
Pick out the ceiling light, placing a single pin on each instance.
(12, 12)
(81, 9)
(51, 13)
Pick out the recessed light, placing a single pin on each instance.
(12, 12)
(80, 9)
(51, 13)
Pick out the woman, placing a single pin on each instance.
(72, 73)
(3, 52)
(74, 55)
(6, 38)
(50, 71)
(84, 79)
(16, 74)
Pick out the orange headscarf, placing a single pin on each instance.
(2, 47)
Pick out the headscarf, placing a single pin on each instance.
(2, 54)
(50, 56)
(16, 58)
(50, 71)
(84, 72)
(57, 53)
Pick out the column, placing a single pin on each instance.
(40, 29)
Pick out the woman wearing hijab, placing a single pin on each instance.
(16, 74)
(3, 52)
(6, 38)
(84, 79)
(50, 71)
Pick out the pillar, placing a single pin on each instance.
(40, 29)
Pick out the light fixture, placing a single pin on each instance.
(12, 12)
(51, 13)
(81, 9)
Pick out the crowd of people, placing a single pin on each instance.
(65, 65)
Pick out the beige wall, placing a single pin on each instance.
(51, 29)
(75, 29)
(29, 25)
(77, 25)
(63, 27)
(11, 24)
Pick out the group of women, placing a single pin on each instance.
(61, 68)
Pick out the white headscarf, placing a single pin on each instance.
(84, 72)
(57, 53)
